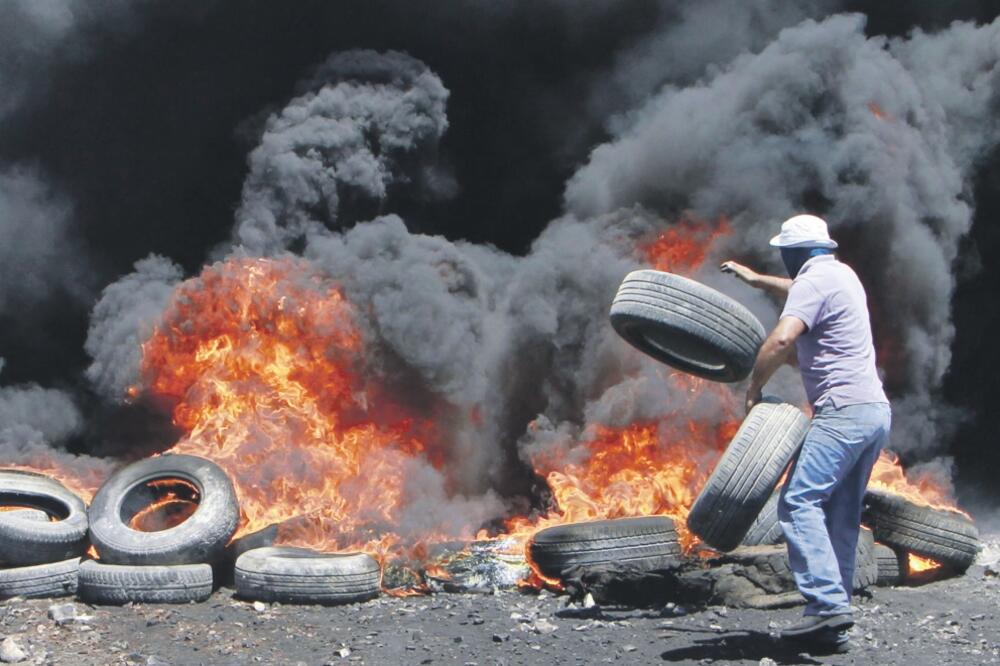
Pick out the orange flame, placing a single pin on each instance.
(888, 476)
(918, 563)
(640, 470)
(682, 248)
(83, 483)
(261, 357)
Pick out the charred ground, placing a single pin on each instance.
(946, 622)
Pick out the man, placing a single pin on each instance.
(825, 317)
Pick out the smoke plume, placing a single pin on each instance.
(773, 111)
(879, 136)
(361, 113)
(36, 424)
(37, 253)
(122, 320)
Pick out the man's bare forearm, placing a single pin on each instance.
(773, 354)
(773, 284)
(778, 286)
(775, 351)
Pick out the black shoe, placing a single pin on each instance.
(813, 625)
(827, 642)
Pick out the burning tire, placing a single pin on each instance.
(649, 542)
(200, 538)
(687, 325)
(893, 565)
(24, 539)
(747, 473)
(301, 576)
(115, 584)
(944, 536)
(58, 579)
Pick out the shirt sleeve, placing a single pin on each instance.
(804, 303)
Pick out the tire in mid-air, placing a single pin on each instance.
(687, 325)
(200, 538)
(746, 474)
(117, 584)
(26, 539)
(947, 537)
(648, 542)
(301, 576)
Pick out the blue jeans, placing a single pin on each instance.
(820, 507)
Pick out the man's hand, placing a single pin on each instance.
(753, 397)
(778, 286)
(742, 272)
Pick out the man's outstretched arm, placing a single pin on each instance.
(773, 284)
(775, 351)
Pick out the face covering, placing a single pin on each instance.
(795, 257)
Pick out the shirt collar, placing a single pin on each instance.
(813, 261)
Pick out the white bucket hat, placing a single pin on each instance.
(804, 231)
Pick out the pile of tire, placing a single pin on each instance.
(173, 565)
(695, 329)
(947, 537)
(42, 540)
(898, 527)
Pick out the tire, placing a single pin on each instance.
(747, 473)
(687, 325)
(647, 543)
(765, 529)
(893, 565)
(944, 536)
(25, 540)
(301, 576)
(34, 515)
(58, 579)
(200, 538)
(115, 584)
(865, 563)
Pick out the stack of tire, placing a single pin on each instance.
(899, 527)
(704, 333)
(167, 566)
(42, 539)
(902, 527)
(874, 563)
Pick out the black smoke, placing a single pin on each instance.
(132, 130)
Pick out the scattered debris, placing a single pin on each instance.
(541, 626)
(11, 651)
(67, 613)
